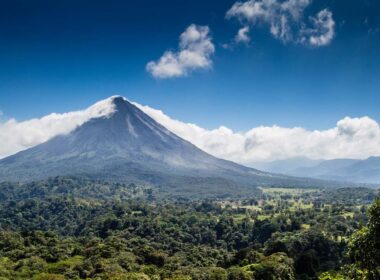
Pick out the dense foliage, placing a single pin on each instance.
(61, 234)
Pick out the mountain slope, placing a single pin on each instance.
(129, 146)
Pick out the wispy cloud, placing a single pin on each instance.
(286, 20)
(322, 31)
(194, 52)
(349, 138)
(243, 35)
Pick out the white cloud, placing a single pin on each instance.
(322, 32)
(195, 50)
(350, 138)
(242, 36)
(285, 20)
(16, 136)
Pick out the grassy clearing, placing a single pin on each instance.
(265, 217)
(300, 205)
(305, 226)
(348, 215)
(251, 207)
(290, 191)
(239, 217)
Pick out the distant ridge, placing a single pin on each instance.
(344, 170)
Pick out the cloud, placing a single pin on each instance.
(349, 138)
(322, 32)
(16, 136)
(195, 51)
(285, 20)
(242, 36)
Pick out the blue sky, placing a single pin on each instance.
(58, 56)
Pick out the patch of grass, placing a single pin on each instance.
(290, 191)
(305, 226)
(300, 205)
(348, 215)
(251, 207)
(239, 217)
(263, 217)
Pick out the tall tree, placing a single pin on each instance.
(364, 247)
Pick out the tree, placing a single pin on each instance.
(364, 246)
(275, 266)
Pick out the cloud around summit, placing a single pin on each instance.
(349, 138)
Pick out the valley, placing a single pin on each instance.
(73, 228)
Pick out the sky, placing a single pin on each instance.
(240, 65)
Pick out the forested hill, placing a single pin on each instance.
(86, 188)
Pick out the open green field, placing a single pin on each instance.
(290, 191)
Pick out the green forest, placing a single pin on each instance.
(73, 228)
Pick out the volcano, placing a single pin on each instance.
(128, 146)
